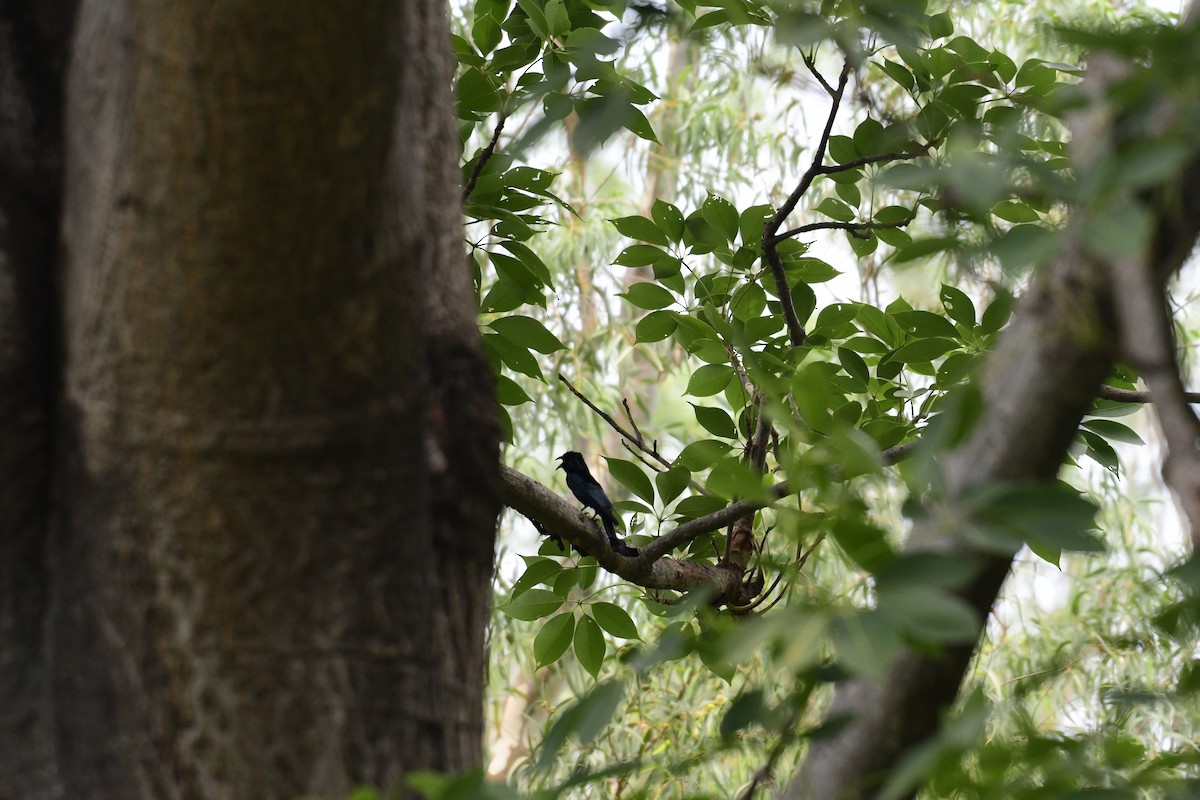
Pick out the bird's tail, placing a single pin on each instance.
(617, 544)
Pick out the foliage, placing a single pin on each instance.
(938, 158)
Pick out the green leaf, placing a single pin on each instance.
(940, 26)
(589, 645)
(553, 639)
(748, 710)
(637, 124)
(668, 218)
(810, 270)
(898, 73)
(591, 40)
(1113, 431)
(476, 94)
(841, 149)
(514, 356)
(716, 421)
(720, 213)
(922, 248)
(893, 215)
(632, 477)
(751, 222)
(672, 483)
(865, 344)
(1012, 211)
(868, 136)
(654, 327)
(639, 255)
(527, 332)
(648, 295)
(709, 380)
(997, 312)
(557, 106)
(698, 506)
(836, 209)
(958, 306)
(641, 229)
(614, 619)
(862, 247)
(748, 302)
(538, 569)
(836, 314)
(854, 365)
(486, 33)
(585, 719)
(849, 194)
(699, 456)
(922, 351)
(533, 604)
(863, 542)
(880, 324)
(509, 392)
(925, 324)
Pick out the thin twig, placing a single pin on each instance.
(770, 250)
(857, 229)
(880, 158)
(637, 439)
(811, 63)
(605, 415)
(484, 157)
(632, 421)
(1135, 396)
(653, 467)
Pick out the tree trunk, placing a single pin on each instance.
(265, 578)
(34, 39)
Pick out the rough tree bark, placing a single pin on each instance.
(265, 576)
(33, 47)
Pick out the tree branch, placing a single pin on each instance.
(769, 245)
(1039, 381)
(881, 158)
(857, 229)
(1148, 341)
(484, 157)
(1134, 396)
(527, 496)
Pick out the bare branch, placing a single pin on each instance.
(881, 158)
(857, 229)
(1148, 341)
(1134, 396)
(811, 63)
(484, 157)
(636, 439)
(769, 245)
(632, 421)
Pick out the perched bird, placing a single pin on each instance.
(588, 491)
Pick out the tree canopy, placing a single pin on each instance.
(856, 300)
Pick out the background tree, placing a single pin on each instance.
(247, 525)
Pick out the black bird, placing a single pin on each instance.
(588, 491)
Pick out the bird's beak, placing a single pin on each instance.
(560, 463)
